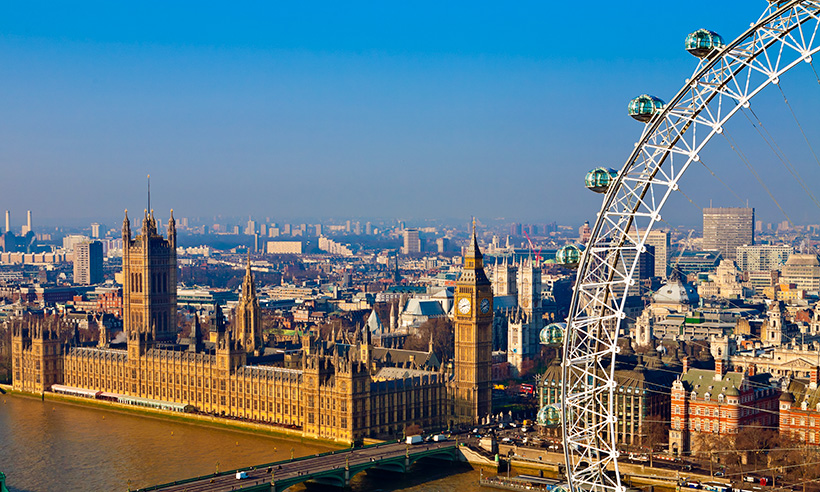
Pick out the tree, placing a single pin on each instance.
(413, 429)
(443, 335)
(656, 431)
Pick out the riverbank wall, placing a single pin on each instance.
(189, 418)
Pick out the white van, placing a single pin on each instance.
(241, 475)
(439, 438)
(414, 439)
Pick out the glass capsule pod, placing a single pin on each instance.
(702, 43)
(550, 415)
(553, 334)
(644, 107)
(569, 256)
(599, 179)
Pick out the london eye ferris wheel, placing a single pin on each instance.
(675, 133)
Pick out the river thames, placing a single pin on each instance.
(54, 446)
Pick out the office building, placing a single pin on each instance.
(661, 242)
(284, 247)
(412, 242)
(724, 229)
(95, 230)
(762, 257)
(88, 263)
(803, 270)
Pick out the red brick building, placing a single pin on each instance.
(708, 403)
(800, 409)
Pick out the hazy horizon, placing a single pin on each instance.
(360, 110)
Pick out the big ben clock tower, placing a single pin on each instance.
(474, 339)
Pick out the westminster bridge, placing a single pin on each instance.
(333, 468)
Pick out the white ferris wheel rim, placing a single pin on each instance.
(772, 46)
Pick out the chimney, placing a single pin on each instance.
(814, 375)
(720, 369)
(752, 370)
(8, 221)
(685, 364)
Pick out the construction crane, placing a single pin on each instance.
(682, 251)
(532, 247)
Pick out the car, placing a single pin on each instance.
(506, 440)
(719, 473)
(750, 479)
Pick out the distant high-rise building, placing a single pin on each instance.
(286, 229)
(95, 230)
(724, 229)
(319, 230)
(515, 229)
(802, 270)
(263, 230)
(661, 242)
(357, 228)
(347, 227)
(442, 244)
(584, 233)
(88, 263)
(763, 257)
(412, 242)
(250, 228)
(368, 228)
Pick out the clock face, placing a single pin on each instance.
(464, 306)
(485, 306)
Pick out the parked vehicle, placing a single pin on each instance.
(414, 439)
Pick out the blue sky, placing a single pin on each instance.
(333, 109)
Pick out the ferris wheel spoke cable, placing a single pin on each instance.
(806, 138)
(778, 152)
(720, 180)
(751, 169)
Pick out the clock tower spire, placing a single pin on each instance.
(473, 344)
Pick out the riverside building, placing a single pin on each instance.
(335, 388)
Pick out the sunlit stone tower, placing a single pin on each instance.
(149, 265)
(473, 344)
(247, 315)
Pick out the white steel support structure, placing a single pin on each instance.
(785, 35)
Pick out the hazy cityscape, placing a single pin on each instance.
(384, 248)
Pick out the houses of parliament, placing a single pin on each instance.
(335, 388)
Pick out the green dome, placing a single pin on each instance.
(703, 43)
(550, 415)
(599, 179)
(643, 107)
(553, 334)
(569, 256)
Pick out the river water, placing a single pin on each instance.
(54, 446)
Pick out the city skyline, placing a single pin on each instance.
(369, 111)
